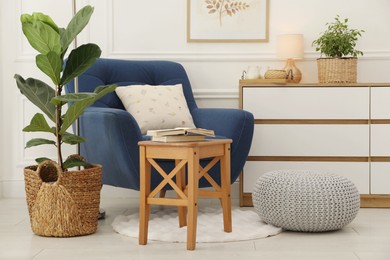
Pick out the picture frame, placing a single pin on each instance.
(227, 20)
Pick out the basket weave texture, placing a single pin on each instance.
(275, 74)
(337, 70)
(62, 204)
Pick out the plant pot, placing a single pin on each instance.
(62, 204)
(337, 70)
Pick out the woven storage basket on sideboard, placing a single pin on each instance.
(337, 70)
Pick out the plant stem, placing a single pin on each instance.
(58, 128)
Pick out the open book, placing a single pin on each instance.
(181, 131)
(178, 138)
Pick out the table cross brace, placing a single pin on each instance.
(167, 178)
(204, 173)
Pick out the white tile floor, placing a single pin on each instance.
(366, 238)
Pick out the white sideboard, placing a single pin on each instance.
(338, 128)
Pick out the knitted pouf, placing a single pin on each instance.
(305, 200)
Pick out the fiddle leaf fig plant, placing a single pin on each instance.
(338, 40)
(52, 43)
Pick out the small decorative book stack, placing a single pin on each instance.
(180, 134)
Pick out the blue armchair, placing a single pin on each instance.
(113, 134)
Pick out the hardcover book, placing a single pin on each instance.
(181, 131)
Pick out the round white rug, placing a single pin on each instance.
(164, 226)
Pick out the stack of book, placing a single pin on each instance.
(180, 134)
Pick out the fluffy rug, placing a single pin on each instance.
(164, 226)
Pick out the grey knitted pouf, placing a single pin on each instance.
(305, 200)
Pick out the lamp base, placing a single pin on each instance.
(294, 75)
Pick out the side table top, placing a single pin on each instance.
(207, 142)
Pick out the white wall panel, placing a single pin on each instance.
(143, 25)
(155, 29)
(2, 110)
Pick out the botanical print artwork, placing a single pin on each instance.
(225, 7)
(227, 20)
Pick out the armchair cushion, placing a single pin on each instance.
(156, 107)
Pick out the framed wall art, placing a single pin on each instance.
(227, 20)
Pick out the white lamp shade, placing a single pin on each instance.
(290, 46)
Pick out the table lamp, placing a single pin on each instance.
(290, 48)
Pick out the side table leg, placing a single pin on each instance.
(144, 208)
(225, 186)
(181, 183)
(193, 181)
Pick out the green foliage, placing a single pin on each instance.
(338, 40)
(51, 65)
(74, 162)
(75, 26)
(39, 93)
(52, 42)
(38, 124)
(39, 141)
(80, 60)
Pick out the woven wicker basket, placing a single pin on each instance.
(62, 204)
(275, 74)
(337, 70)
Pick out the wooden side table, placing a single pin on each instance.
(184, 153)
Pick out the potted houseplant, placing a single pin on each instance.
(338, 44)
(61, 201)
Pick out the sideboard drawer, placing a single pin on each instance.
(380, 140)
(357, 172)
(310, 140)
(380, 177)
(380, 103)
(307, 103)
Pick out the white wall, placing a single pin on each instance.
(2, 110)
(155, 29)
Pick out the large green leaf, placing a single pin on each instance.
(72, 139)
(38, 141)
(61, 100)
(51, 65)
(41, 159)
(42, 37)
(75, 26)
(38, 124)
(80, 59)
(27, 18)
(78, 107)
(62, 32)
(39, 93)
(74, 161)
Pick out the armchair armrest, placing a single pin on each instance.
(112, 136)
(235, 124)
(230, 123)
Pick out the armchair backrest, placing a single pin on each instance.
(126, 72)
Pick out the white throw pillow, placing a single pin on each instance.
(156, 107)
